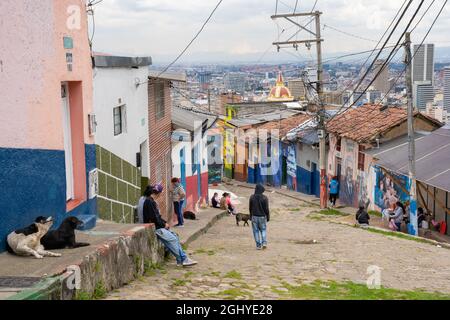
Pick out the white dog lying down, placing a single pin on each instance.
(27, 241)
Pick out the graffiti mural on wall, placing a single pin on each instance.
(352, 192)
(389, 188)
(291, 167)
(361, 186)
(347, 185)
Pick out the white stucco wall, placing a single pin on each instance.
(110, 85)
(306, 152)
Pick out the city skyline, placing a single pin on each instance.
(243, 35)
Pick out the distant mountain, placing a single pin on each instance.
(442, 55)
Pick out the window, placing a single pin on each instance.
(338, 144)
(361, 158)
(119, 117)
(159, 99)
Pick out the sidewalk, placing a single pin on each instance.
(118, 254)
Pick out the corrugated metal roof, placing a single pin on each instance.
(305, 132)
(172, 76)
(432, 158)
(108, 61)
(188, 120)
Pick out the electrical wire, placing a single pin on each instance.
(412, 59)
(369, 69)
(349, 34)
(192, 41)
(375, 49)
(421, 43)
(384, 64)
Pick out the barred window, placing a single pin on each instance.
(119, 118)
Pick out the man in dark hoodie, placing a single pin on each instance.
(260, 215)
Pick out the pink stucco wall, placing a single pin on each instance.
(32, 67)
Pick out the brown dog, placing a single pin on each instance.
(242, 217)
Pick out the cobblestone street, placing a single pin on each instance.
(301, 250)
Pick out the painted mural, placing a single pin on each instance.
(347, 192)
(291, 167)
(389, 188)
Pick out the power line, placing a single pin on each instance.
(349, 34)
(423, 15)
(386, 61)
(379, 50)
(423, 40)
(192, 41)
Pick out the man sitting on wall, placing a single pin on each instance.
(170, 240)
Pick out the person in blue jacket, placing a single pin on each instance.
(334, 190)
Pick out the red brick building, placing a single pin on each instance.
(160, 131)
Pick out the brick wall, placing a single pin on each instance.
(160, 145)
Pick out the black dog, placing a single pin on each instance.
(64, 236)
(242, 217)
(189, 215)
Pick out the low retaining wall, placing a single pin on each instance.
(112, 265)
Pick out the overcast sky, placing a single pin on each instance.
(241, 30)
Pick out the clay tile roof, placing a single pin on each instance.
(366, 122)
(285, 125)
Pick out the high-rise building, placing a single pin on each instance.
(204, 78)
(373, 96)
(447, 89)
(312, 76)
(298, 89)
(423, 63)
(381, 82)
(236, 81)
(333, 98)
(423, 93)
(436, 112)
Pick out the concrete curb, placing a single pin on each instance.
(205, 229)
(417, 239)
(113, 264)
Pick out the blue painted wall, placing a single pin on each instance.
(33, 184)
(304, 179)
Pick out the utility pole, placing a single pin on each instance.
(319, 87)
(413, 227)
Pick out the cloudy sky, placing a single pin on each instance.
(241, 30)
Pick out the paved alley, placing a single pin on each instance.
(301, 250)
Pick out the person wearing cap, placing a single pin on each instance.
(151, 214)
(140, 206)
